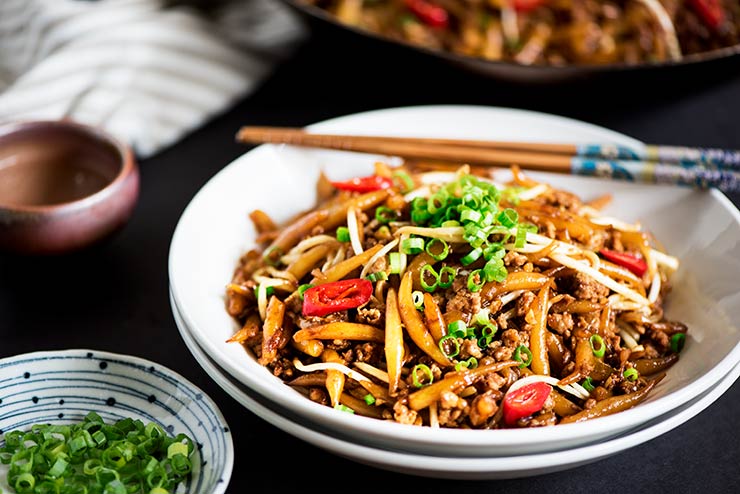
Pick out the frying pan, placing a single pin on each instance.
(513, 72)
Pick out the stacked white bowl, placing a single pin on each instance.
(701, 228)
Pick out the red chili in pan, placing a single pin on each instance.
(630, 261)
(332, 297)
(364, 184)
(525, 401)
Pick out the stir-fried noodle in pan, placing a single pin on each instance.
(446, 299)
(550, 32)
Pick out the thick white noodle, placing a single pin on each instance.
(354, 231)
(575, 389)
(329, 366)
(533, 192)
(373, 371)
(369, 264)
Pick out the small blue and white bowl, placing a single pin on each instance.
(64, 386)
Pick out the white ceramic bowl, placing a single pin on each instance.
(701, 228)
(62, 387)
(448, 467)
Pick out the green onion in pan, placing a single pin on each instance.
(471, 256)
(631, 374)
(385, 215)
(395, 261)
(521, 349)
(343, 234)
(476, 280)
(438, 249)
(428, 271)
(427, 374)
(487, 332)
(677, 342)
(471, 363)
(444, 345)
(418, 298)
(369, 399)
(343, 408)
(457, 329)
(404, 181)
(588, 384)
(412, 245)
(508, 217)
(597, 345)
(302, 289)
(446, 276)
(96, 457)
(377, 276)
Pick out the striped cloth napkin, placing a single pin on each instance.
(147, 71)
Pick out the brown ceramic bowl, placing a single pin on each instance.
(63, 186)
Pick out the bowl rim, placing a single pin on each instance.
(97, 136)
(441, 437)
(141, 362)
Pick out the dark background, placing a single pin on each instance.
(114, 296)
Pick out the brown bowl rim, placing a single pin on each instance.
(125, 157)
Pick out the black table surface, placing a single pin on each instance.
(114, 296)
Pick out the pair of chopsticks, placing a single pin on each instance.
(696, 167)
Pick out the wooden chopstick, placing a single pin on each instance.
(605, 160)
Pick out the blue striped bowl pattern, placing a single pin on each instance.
(63, 386)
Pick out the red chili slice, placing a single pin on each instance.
(711, 12)
(428, 13)
(339, 295)
(527, 5)
(365, 184)
(525, 401)
(635, 264)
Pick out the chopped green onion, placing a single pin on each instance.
(343, 234)
(597, 345)
(508, 217)
(678, 340)
(437, 253)
(494, 270)
(369, 399)
(588, 384)
(438, 201)
(443, 345)
(418, 298)
(447, 276)
(302, 289)
(343, 408)
(403, 178)
(70, 459)
(427, 374)
(471, 363)
(272, 256)
(476, 280)
(471, 256)
(458, 329)
(521, 349)
(395, 261)
(631, 374)
(449, 223)
(377, 276)
(385, 215)
(412, 245)
(521, 237)
(268, 291)
(428, 271)
(487, 333)
(24, 482)
(470, 215)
